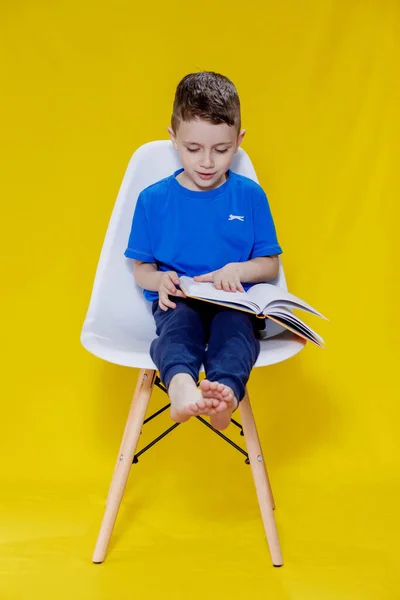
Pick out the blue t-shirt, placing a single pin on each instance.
(194, 233)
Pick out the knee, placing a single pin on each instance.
(181, 319)
(236, 320)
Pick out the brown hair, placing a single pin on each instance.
(206, 95)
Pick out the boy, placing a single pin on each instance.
(209, 223)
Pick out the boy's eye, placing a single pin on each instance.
(196, 150)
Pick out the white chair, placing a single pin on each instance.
(119, 328)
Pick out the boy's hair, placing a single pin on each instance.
(206, 95)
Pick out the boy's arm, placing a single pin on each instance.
(262, 268)
(230, 277)
(146, 275)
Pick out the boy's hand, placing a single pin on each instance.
(168, 281)
(227, 278)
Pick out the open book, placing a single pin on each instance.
(262, 300)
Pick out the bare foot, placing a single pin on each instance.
(227, 402)
(187, 400)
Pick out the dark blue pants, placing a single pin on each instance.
(184, 332)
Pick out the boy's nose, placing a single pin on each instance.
(206, 161)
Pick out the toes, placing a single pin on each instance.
(214, 393)
(228, 395)
(206, 390)
(205, 385)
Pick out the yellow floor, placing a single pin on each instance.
(190, 528)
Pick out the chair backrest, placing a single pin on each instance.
(117, 303)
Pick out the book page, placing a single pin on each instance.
(297, 329)
(286, 316)
(207, 291)
(267, 295)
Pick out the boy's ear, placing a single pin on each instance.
(240, 138)
(173, 137)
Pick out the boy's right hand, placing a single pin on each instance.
(166, 287)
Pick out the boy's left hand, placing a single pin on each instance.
(227, 278)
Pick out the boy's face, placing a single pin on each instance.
(206, 151)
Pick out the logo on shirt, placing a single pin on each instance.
(237, 217)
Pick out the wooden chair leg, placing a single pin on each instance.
(261, 481)
(130, 438)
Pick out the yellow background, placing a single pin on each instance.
(83, 84)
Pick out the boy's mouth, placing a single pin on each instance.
(205, 175)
